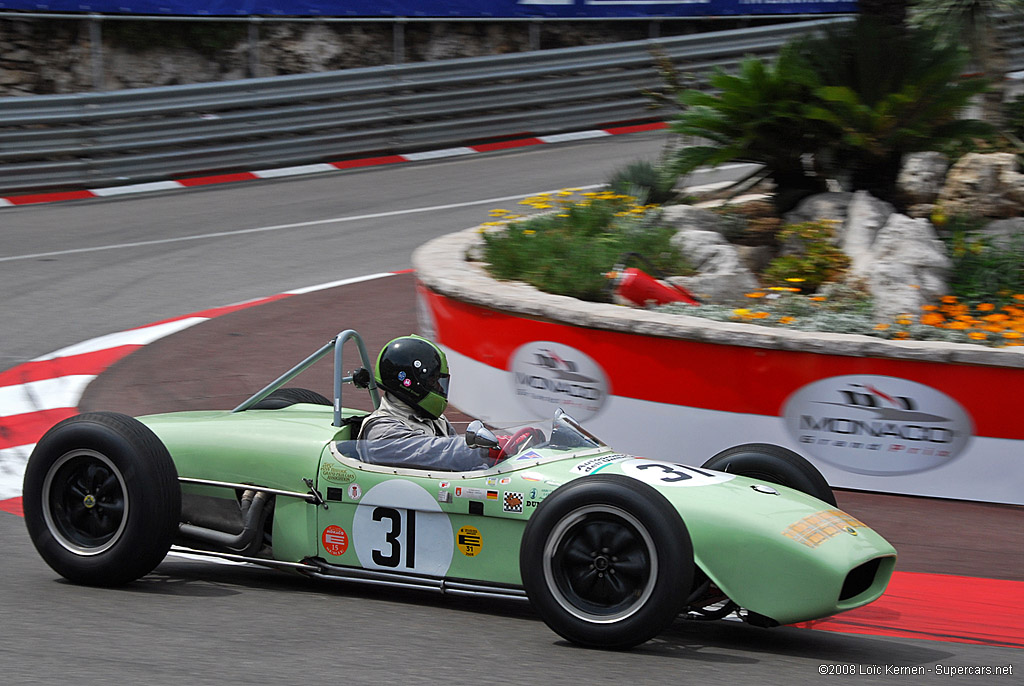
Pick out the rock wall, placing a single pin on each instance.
(44, 56)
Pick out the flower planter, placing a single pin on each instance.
(913, 417)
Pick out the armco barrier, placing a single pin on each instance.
(912, 417)
(110, 138)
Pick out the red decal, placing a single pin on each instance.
(335, 540)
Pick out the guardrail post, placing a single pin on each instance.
(654, 30)
(96, 50)
(398, 40)
(254, 46)
(534, 35)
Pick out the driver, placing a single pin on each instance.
(409, 429)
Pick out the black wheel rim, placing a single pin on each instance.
(85, 502)
(600, 564)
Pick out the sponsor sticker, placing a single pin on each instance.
(469, 541)
(444, 496)
(513, 502)
(597, 463)
(355, 492)
(335, 540)
(529, 455)
(475, 493)
(336, 474)
(815, 529)
(548, 375)
(877, 425)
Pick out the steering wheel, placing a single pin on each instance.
(520, 441)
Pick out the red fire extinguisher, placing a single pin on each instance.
(642, 289)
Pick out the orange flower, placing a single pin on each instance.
(787, 320)
(977, 335)
(756, 294)
(901, 335)
(881, 327)
(959, 326)
(986, 307)
(1013, 334)
(929, 308)
(818, 298)
(760, 315)
(950, 299)
(933, 319)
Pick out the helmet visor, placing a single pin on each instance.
(441, 385)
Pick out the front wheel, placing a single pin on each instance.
(607, 562)
(775, 464)
(101, 499)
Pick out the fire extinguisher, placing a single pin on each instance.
(642, 289)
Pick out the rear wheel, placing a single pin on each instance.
(607, 562)
(284, 397)
(101, 499)
(775, 464)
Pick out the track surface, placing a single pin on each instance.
(197, 622)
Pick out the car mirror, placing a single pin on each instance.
(477, 436)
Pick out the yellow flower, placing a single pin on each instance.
(796, 279)
(741, 312)
(528, 232)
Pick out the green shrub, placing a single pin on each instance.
(644, 180)
(813, 258)
(569, 251)
(985, 269)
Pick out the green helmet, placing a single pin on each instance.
(415, 371)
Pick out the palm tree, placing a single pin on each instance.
(974, 23)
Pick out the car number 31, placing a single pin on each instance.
(415, 538)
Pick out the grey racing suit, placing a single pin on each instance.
(396, 436)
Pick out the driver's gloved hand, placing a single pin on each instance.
(496, 453)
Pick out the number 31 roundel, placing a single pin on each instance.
(672, 474)
(400, 526)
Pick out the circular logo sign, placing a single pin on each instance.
(878, 425)
(547, 376)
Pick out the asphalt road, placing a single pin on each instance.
(73, 271)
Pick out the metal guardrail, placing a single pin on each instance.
(93, 140)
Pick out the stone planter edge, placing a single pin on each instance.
(442, 266)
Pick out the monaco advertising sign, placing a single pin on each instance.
(877, 425)
(547, 376)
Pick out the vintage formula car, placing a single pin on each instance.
(608, 548)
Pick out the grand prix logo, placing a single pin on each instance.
(548, 375)
(879, 425)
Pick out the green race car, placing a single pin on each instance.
(608, 548)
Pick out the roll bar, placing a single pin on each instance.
(337, 344)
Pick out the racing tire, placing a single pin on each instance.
(606, 562)
(101, 499)
(775, 464)
(285, 397)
